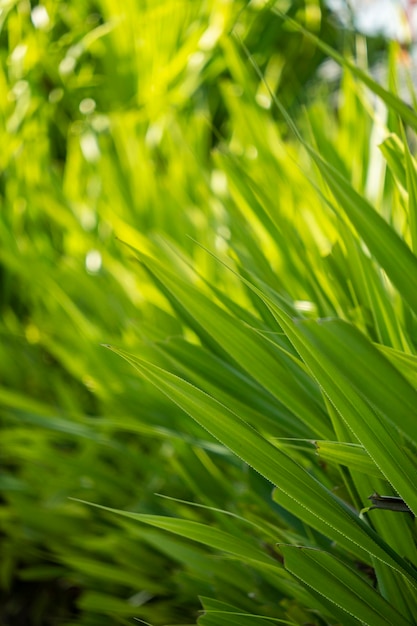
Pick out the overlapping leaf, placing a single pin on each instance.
(303, 494)
(342, 586)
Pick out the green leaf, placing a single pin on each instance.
(303, 494)
(393, 102)
(392, 253)
(352, 455)
(406, 364)
(207, 535)
(341, 585)
(232, 387)
(410, 168)
(339, 357)
(218, 613)
(251, 352)
(393, 151)
(104, 603)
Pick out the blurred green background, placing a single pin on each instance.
(146, 122)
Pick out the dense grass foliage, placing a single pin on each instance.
(208, 319)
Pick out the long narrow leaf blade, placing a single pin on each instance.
(318, 506)
(391, 100)
(341, 585)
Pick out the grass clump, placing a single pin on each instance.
(267, 291)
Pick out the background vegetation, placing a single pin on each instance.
(251, 209)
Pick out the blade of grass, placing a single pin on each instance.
(393, 102)
(339, 584)
(315, 504)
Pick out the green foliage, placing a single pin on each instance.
(262, 370)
